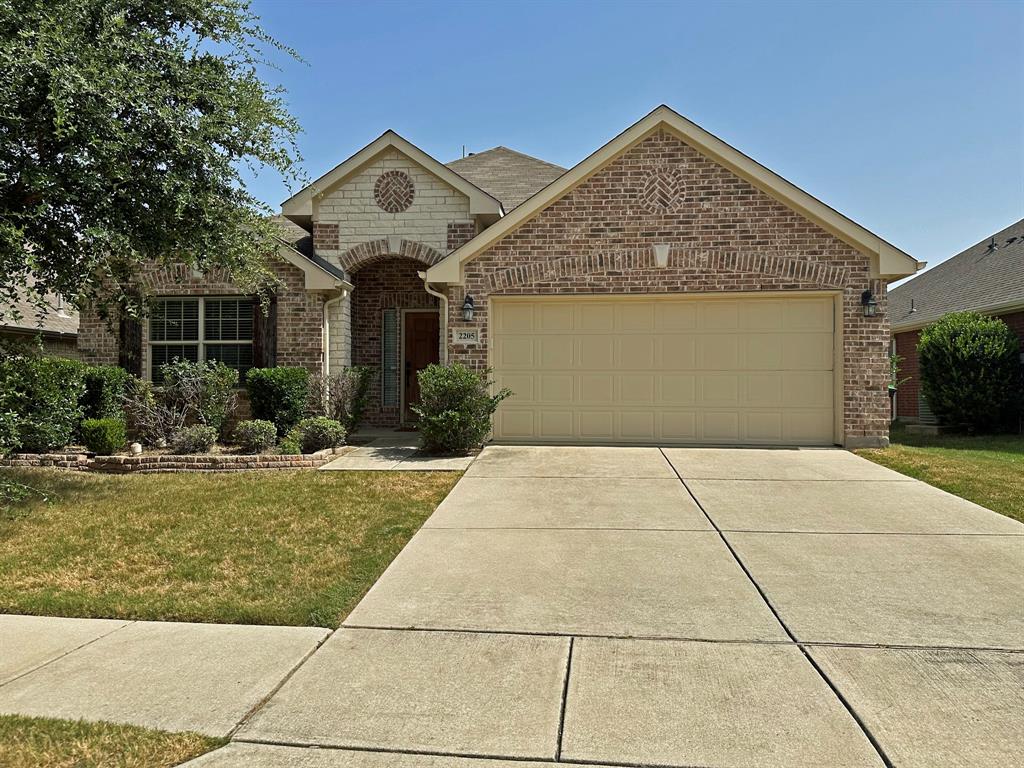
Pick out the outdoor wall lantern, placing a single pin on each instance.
(468, 308)
(867, 300)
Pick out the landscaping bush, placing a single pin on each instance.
(315, 434)
(970, 370)
(104, 436)
(44, 394)
(198, 438)
(455, 407)
(343, 397)
(152, 417)
(278, 395)
(105, 388)
(205, 391)
(256, 436)
(8, 432)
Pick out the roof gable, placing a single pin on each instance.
(510, 176)
(299, 207)
(988, 276)
(888, 262)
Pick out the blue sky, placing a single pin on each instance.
(908, 117)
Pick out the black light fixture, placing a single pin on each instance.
(867, 300)
(468, 308)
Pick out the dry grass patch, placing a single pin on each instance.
(33, 742)
(988, 470)
(252, 548)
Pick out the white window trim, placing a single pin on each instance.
(201, 343)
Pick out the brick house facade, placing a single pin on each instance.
(391, 232)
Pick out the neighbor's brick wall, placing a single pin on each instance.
(299, 315)
(906, 394)
(725, 234)
(392, 283)
(349, 215)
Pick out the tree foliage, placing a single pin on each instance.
(125, 126)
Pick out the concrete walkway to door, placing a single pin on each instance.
(677, 607)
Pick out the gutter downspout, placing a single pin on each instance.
(326, 333)
(443, 352)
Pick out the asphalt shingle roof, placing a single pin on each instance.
(302, 241)
(505, 174)
(978, 278)
(57, 319)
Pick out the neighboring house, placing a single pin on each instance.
(56, 327)
(667, 289)
(988, 277)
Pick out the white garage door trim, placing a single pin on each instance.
(650, 424)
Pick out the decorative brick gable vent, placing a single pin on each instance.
(394, 191)
(662, 190)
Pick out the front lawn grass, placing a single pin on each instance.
(298, 548)
(988, 470)
(32, 742)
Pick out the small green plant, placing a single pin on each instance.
(44, 394)
(315, 434)
(970, 370)
(198, 438)
(256, 435)
(105, 388)
(895, 366)
(104, 436)
(278, 395)
(455, 407)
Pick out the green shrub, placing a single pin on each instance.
(44, 394)
(8, 432)
(205, 391)
(970, 370)
(291, 444)
(455, 407)
(317, 434)
(256, 436)
(104, 436)
(278, 395)
(105, 389)
(198, 438)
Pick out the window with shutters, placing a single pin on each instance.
(202, 329)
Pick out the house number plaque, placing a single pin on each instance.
(465, 335)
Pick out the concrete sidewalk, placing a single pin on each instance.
(171, 676)
(394, 451)
(632, 606)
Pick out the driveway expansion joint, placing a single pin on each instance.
(838, 694)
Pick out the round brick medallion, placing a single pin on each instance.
(394, 191)
(662, 191)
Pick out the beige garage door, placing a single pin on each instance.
(665, 370)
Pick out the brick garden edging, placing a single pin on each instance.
(171, 463)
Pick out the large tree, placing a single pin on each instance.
(124, 127)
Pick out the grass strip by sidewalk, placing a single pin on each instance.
(36, 742)
(988, 470)
(290, 548)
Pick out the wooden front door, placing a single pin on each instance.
(421, 345)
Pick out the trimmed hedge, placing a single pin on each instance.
(970, 370)
(104, 436)
(316, 434)
(44, 393)
(278, 395)
(256, 436)
(195, 439)
(105, 388)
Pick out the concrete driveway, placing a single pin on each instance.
(683, 607)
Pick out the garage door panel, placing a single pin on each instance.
(681, 370)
